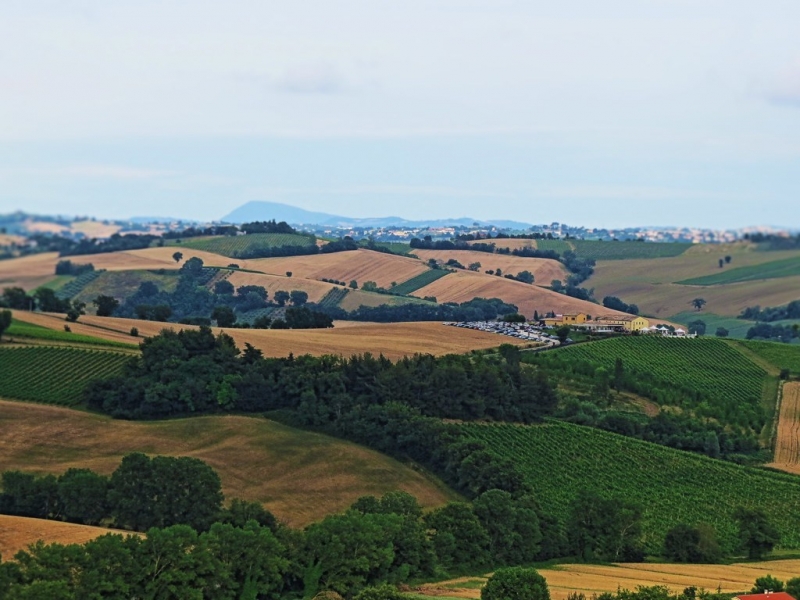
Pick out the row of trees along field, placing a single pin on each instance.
(194, 547)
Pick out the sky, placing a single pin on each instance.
(606, 114)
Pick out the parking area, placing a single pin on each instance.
(521, 331)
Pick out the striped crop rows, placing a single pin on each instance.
(708, 376)
(671, 486)
(54, 375)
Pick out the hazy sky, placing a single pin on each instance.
(608, 113)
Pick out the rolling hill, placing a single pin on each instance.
(17, 533)
(393, 340)
(544, 270)
(299, 476)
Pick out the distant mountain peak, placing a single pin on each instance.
(258, 210)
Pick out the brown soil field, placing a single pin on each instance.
(315, 289)
(787, 443)
(595, 579)
(298, 475)
(393, 340)
(17, 533)
(361, 265)
(544, 270)
(465, 285)
(7, 239)
(28, 271)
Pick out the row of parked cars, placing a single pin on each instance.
(522, 331)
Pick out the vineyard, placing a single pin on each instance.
(54, 375)
(671, 486)
(75, 287)
(233, 246)
(708, 376)
(559, 246)
(788, 267)
(333, 297)
(627, 250)
(420, 281)
(782, 356)
(21, 329)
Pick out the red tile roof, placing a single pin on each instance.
(772, 596)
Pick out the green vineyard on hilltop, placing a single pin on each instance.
(419, 282)
(54, 375)
(627, 250)
(782, 356)
(708, 376)
(560, 459)
(233, 246)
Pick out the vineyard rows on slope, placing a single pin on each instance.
(671, 486)
(54, 375)
(708, 376)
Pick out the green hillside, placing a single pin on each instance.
(787, 267)
(419, 282)
(782, 356)
(709, 376)
(627, 250)
(671, 486)
(233, 246)
(54, 375)
(29, 331)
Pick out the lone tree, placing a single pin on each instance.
(698, 303)
(106, 305)
(298, 297)
(5, 321)
(516, 583)
(178, 256)
(281, 297)
(756, 534)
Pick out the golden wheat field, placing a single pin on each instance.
(298, 475)
(595, 579)
(17, 533)
(787, 443)
(464, 285)
(393, 340)
(544, 270)
(361, 265)
(272, 283)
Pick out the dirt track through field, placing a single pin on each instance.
(787, 444)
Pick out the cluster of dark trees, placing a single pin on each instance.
(477, 309)
(732, 433)
(67, 267)
(140, 494)
(43, 299)
(116, 243)
(772, 314)
(192, 302)
(191, 372)
(774, 242)
(776, 333)
(258, 251)
(572, 290)
(615, 303)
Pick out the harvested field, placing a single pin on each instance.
(17, 533)
(95, 229)
(298, 475)
(393, 340)
(595, 579)
(28, 272)
(667, 299)
(787, 442)
(361, 265)
(464, 285)
(315, 289)
(544, 270)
